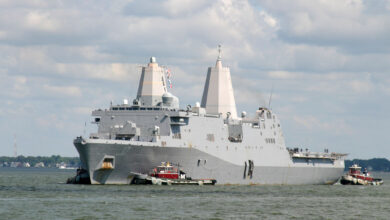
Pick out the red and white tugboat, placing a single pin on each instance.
(355, 177)
(168, 174)
(167, 171)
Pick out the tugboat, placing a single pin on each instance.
(167, 171)
(355, 177)
(168, 174)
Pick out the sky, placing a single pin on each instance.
(325, 62)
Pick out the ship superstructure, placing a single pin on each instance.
(207, 140)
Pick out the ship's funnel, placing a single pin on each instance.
(152, 84)
(218, 92)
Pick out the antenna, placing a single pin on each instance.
(85, 128)
(15, 147)
(219, 51)
(270, 97)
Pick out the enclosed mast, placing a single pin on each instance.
(218, 95)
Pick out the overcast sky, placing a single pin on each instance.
(328, 63)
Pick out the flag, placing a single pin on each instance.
(168, 74)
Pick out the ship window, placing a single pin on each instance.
(270, 140)
(176, 132)
(150, 108)
(114, 109)
(121, 108)
(129, 109)
(210, 137)
(176, 136)
(142, 108)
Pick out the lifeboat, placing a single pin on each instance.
(356, 177)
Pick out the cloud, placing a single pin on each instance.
(80, 110)
(271, 21)
(63, 90)
(361, 86)
(282, 75)
(348, 24)
(51, 121)
(41, 21)
(19, 88)
(299, 99)
(13, 86)
(310, 122)
(170, 8)
(325, 59)
(111, 71)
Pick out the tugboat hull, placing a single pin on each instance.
(355, 177)
(350, 180)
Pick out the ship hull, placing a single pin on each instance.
(128, 159)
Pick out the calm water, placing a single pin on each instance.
(41, 194)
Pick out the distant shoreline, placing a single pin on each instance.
(374, 164)
(54, 161)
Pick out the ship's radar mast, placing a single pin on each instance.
(218, 95)
(219, 52)
(152, 89)
(152, 84)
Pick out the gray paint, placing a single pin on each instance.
(138, 138)
(143, 159)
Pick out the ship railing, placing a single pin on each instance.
(295, 153)
(313, 155)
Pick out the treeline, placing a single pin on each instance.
(375, 164)
(51, 161)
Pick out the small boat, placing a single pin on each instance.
(168, 174)
(356, 177)
(167, 171)
(82, 177)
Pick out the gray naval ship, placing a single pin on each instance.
(207, 140)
